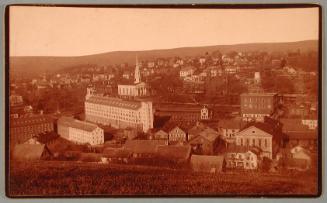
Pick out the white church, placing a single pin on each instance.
(136, 88)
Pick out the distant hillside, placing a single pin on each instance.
(39, 64)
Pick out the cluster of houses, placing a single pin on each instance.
(191, 136)
(230, 144)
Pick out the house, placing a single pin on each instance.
(130, 133)
(299, 134)
(126, 75)
(16, 100)
(299, 159)
(231, 69)
(151, 64)
(29, 152)
(290, 70)
(177, 135)
(177, 131)
(306, 139)
(174, 153)
(239, 157)
(117, 154)
(213, 71)
(312, 123)
(204, 141)
(143, 148)
(160, 135)
(227, 128)
(186, 71)
(261, 135)
(33, 140)
(208, 164)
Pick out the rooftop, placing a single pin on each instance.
(112, 101)
(143, 146)
(179, 152)
(73, 123)
(233, 123)
(293, 125)
(31, 120)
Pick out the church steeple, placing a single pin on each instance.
(137, 74)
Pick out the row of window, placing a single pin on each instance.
(258, 106)
(262, 100)
(128, 118)
(260, 142)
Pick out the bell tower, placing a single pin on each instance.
(137, 74)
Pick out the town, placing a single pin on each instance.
(218, 112)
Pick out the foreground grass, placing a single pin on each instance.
(71, 178)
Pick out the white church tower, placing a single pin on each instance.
(89, 92)
(137, 74)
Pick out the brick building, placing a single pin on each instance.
(255, 106)
(24, 128)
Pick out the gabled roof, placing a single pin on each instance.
(73, 123)
(209, 134)
(160, 132)
(170, 125)
(116, 152)
(206, 163)
(266, 127)
(28, 121)
(28, 151)
(254, 129)
(203, 132)
(175, 152)
(196, 129)
(143, 146)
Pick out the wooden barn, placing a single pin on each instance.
(208, 164)
(175, 153)
(31, 152)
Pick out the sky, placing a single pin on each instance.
(68, 31)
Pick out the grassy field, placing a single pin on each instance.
(71, 178)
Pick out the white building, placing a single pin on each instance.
(136, 88)
(242, 159)
(187, 71)
(252, 136)
(311, 123)
(119, 113)
(80, 132)
(204, 113)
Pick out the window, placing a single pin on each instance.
(266, 143)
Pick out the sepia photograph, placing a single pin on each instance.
(163, 100)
